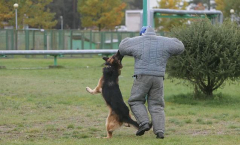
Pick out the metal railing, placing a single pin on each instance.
(55, 53)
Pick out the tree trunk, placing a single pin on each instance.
(204, 86)
(209, 93)
(209, 5)
(196, 91)
(99, 27)
(209, 87)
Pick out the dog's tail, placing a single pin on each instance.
(131, 122)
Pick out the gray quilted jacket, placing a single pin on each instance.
(151, 52)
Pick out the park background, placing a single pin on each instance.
(73, 25)
(39, 105)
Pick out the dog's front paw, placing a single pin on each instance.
(89, 90)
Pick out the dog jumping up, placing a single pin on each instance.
(109, 87)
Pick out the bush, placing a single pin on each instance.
(211, 56)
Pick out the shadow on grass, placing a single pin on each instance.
(217, 100)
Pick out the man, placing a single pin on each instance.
(151, 53)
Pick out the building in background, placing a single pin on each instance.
(133, 20)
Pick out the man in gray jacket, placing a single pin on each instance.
(151, 53)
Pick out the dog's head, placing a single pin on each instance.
(114, 61)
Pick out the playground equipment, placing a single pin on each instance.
(135, 19)
(215, 16)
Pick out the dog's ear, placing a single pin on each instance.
(119, 56)
(105, 58)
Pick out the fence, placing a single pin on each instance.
(61, 39)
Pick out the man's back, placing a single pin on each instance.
(151, 52)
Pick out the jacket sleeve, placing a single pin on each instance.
(174, 46)
(125, 47)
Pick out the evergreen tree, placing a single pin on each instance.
(211, 56)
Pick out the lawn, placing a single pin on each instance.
(43, 106)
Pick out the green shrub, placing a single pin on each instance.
(211, 56)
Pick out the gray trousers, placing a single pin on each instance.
(152, 87)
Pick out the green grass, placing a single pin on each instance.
(51, 106)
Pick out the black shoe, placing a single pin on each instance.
(142, 129)
(160, 135)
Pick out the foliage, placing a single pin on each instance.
(226, 5)
(38, 16)
(165, 24)
(104, 14)
(208, 4)
(67, 9)
(135, 4)
(5, 13)
(211, 56)
(30, 12)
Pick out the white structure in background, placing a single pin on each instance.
(133, 20)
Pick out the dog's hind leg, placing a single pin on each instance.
(133, 123)
(97, 89)
(112, 123)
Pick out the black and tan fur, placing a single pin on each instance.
(108, 86)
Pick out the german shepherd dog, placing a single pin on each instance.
(108, 86)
